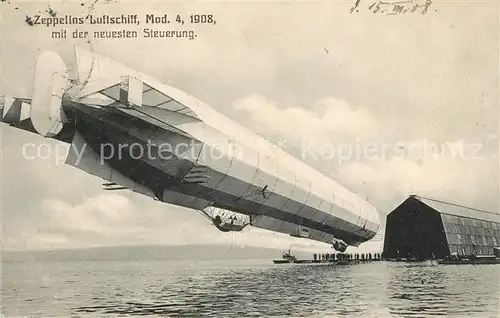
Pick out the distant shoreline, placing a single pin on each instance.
(152, 252)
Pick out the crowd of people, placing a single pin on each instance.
(347, 256)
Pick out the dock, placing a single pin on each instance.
(330, 258)
(471, 260)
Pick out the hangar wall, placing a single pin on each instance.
(468, 236)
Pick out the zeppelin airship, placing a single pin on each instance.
(141, 135)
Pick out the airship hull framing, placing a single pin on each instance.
(122, 120)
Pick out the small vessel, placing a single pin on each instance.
(286, 258)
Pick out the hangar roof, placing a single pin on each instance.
(458, 210)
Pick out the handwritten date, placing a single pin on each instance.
(394, 7)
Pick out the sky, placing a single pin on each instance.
(386, 105)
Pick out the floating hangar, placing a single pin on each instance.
(424, 228)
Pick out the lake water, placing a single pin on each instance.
(237, 288)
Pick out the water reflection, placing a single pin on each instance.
(420, 289)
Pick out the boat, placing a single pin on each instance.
(286, 258)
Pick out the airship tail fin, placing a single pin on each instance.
(42, 113)
(49, 84)
(82, 156)
(15, 112)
